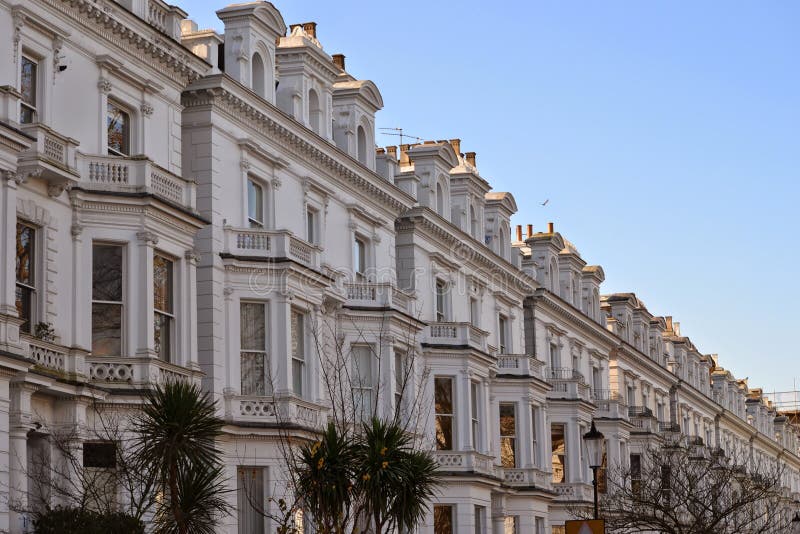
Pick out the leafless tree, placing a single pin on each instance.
(686, 488)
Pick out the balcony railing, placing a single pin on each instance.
(466, 462)
(527, 477)
(136, 371)
(456, 334)
(381, 295)
(573, 491)
(519, 364)
(269, 409)
(136, 174)
(53, 156)
(667, 426)
(639, 411)
(54, 357)
(563, 373)
(274, 244)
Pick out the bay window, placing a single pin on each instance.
(362, 380)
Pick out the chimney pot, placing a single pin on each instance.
(310, 28)
(530, 230)
(549, 228)
(519, 232)
(338, 60)
(470, 158)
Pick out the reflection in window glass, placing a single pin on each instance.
(162, 304)
(443, 519)
(25, 289)
(254, 361)
(106, 300)
(508, 435)
(255, 204)
(118, 129)
(444, 412)
(28, 88)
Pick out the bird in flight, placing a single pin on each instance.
(545, 202)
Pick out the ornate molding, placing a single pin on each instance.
(147, 238)
(146, 109)
(104, 84)
(192, 256)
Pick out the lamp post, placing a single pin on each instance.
(594, 441)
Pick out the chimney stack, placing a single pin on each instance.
(404, 160)
(530, 231)
(456, 144)
(310, 28)
(338, 60)
(549, 228)
(392, 151)
(470, 158)
(519, 232)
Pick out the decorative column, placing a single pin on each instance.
(20, 424)
(142, 316)
(189, 311)
(282, 355)
(5, 464)
(464, 414)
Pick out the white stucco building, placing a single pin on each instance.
(178, 203)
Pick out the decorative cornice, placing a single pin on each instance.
(115, 25)
(363, 180)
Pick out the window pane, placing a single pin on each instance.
(443, 520)
(28, 83)
(359, 260)
(444, 432)
(507, 435)
(102, 455)
(162, 284)
(250, 499)
(255, 204)
(252, 325)
(444, 395)
(559, 453)
(26, 236)
(24, 302)
(253, 373)
(162, 335)
(117, 124)
(362, 366)
(297, 376)
(107, 273)
(106, 329)
(298, 335)
(310, 227)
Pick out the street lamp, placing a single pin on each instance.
(594, 440)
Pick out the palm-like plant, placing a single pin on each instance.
(395, 481)
(176, 433)
(325, 479)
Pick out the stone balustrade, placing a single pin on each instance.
(519, 365)
(466, 462)
(136, 174)
(456, 335)
(136, 371)
(379, 295)
(257, 243)
(271, 409)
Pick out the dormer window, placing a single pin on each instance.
(28, 87)
(118, 126)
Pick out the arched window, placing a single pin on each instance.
(439, 199)
(473, 222)
(258, 75)
(314, 111)
(361, 138)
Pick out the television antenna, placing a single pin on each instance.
(399, 132)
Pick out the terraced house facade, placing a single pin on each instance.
(183, 204)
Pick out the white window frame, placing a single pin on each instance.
(118, 103)
(503, 337)
(121, 303)
(512, 437)
(362, 389)
(475, 413)
(441, 293)
(264, 352)
(170, 316)
(37, 92)
(258, 185)
(452, 414)
(299, 359)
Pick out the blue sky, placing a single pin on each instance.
(665, 134)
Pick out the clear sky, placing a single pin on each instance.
(666, 135)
